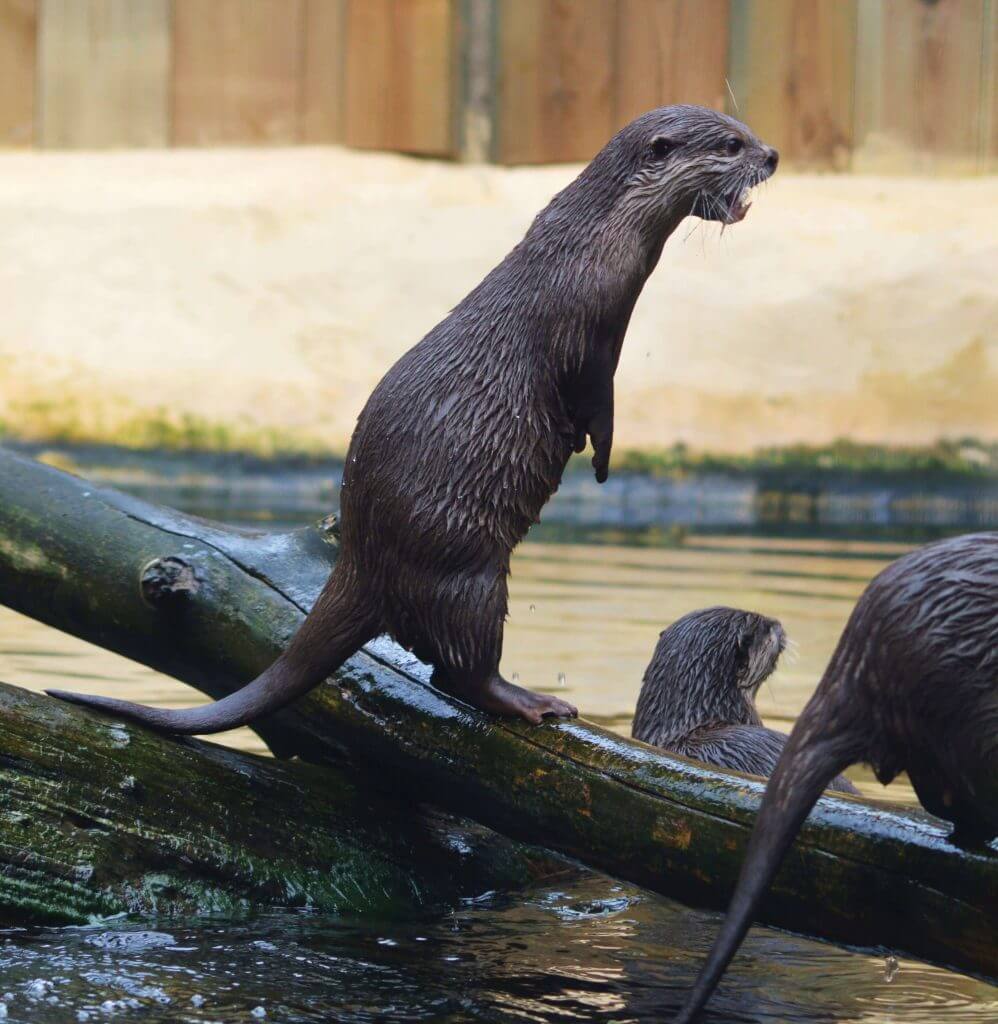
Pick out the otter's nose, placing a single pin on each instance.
(772, 158)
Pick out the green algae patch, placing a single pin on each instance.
(99, 818)
(956, 458)
(125, 425)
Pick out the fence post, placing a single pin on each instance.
(477, 86)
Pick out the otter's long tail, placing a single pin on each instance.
(337, 626)
(808, 763)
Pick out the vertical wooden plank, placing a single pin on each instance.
(103, 73)
(669, 51)
(556, 83)
(236, 71)
(18, 33)
(478, 29)
(400, 76)
(791, 71)
(323, 58)
(989, 88)
(919, 82)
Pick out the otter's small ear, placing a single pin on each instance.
(661, 146)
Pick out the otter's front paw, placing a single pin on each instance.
(601, 464)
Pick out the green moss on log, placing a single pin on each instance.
(100, 818)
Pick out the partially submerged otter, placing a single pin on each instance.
(698, 693)
(912, 686)
(467, 435)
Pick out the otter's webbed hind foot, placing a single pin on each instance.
(505, 698)
(501, 697)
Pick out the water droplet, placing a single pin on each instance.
(891, 968)
(515, 677)
(561, 679)
(533, 607)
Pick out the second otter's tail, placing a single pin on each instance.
(809, 761)
(338, 625)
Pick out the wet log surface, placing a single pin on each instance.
(99, 818)
(93, 562)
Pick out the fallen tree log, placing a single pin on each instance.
(213, 606)
(99, 818)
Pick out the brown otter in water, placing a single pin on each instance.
(912, 686)
(467, 435)
(698, 693)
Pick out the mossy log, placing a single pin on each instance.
(213, 606)
(99, 818)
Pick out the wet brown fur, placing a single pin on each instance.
(467, 435)
(912, 686)
(698, 694)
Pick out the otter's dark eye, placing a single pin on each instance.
(661, 147)
(733, 145)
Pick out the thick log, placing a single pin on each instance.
(91, 561)
(98, 817)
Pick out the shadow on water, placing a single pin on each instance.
(593, 950)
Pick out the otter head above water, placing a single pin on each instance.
(698, 694)
(706, 670)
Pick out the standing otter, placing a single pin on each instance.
(698, 693)
(912, 686)
(467, 435)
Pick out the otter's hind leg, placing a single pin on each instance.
(970, 811)
(463, 640)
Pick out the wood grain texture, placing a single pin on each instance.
(669, 51)
(236, 71)
(555, 79)
(103, 73)
(323, 58)
(919, 85)
(18, 34)
(792, 66)
(477, 77)
(989, 104)
(400, 76)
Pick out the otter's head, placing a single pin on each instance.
(685, 160)
(706, 670)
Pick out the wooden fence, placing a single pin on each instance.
(889, 85)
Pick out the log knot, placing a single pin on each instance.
(168, 580)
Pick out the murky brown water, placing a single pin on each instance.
(584, 619)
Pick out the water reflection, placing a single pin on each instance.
(590, 951)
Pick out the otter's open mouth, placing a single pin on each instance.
(727, 209)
